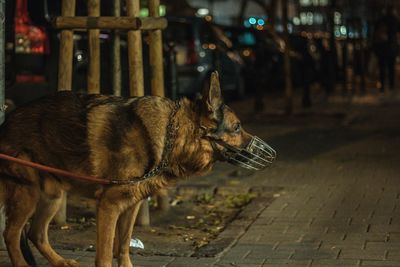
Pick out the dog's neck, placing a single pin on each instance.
(192, 155)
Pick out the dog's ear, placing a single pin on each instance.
(212, 97)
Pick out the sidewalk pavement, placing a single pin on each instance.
(340, 202)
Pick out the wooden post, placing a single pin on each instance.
(135, 54)
(61, 216)
(65, 81)
(93, 78)
(163, 199)
(157, 79)
(116, 53)
(344, 67)
(143, 217)
(136, 82)
(156, 53)
(66, 49)
(2, 227)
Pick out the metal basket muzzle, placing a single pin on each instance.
(257, 155)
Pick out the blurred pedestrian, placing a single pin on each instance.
(385, 45)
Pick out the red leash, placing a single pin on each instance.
(52, 170)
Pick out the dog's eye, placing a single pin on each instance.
(237, 128)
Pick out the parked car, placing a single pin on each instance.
(261, 52)
(202, 47)
(32, 49)
(26, 51)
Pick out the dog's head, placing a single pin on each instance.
(222, 128)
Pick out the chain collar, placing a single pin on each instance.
(170, 137)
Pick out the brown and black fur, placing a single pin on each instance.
(109, 137)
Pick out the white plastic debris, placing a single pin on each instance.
(136, 243)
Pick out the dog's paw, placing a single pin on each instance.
(68, 263)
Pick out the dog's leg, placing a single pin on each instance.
(21, 206)
(38, 233)
(108, 212)
(123, 235)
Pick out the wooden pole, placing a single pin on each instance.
(242, 10)
(61, 216)
(65, 81)
(136, 82)
(273, 13)
(135, 54)
(2, 227)
(156, 53)
(2, 96)
(66, 49)
(157, 79)
(116, 53)
(143, 217)
(93, 78)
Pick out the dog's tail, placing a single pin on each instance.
(26, 250)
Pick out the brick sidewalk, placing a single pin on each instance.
(339, 206)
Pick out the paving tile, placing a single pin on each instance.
(274, 262)
(190, 261)
(297, 246)
(375, 263)
(315, 254)
(366, 236)
(269, 254)
(237, 264)
(342, 244)
(363, 254)
(336, 262)
(389, 245)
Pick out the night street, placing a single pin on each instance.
(335, 193)
(199, 133)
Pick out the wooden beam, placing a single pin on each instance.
(156, 53)
(135, 53)
(110, 23)
(66, 49)
(93, 78)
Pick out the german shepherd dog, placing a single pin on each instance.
(141, 145)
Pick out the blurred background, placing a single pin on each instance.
(332, 65)
(277, 48)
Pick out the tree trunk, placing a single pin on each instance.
(332, 51)
(287, 65)
(272, 13)
(243, 6)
